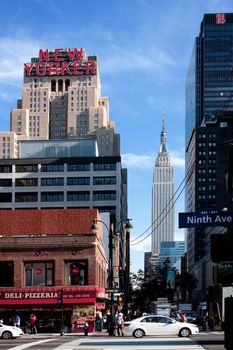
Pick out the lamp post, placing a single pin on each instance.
(128, 227)
(111, 245)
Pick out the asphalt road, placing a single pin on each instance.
(209, 341)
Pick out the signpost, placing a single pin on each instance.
(111, 290)
(206, 219)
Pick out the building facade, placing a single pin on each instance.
(46, 252)
(61, 99)
(162, 197)
(208, 127)
(62, 151)
(173, 251)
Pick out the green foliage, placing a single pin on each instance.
(144, 291)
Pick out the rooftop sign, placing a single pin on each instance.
(60, 62)
(205, 219)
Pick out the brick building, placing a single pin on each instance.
(46, 251)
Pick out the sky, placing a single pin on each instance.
(143, 49)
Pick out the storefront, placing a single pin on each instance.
(79, 305)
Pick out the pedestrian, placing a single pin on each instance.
(17, 320)
(206, 321)
(120, 321)
(183, 317)
(33, 320)
(179, 316)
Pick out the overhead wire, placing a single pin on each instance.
(185, 179)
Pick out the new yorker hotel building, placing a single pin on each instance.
(62, 150)
(62, 153)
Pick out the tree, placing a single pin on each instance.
(187, 282)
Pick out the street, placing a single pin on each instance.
(207, 340)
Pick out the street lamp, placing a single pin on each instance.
(128, 227)
(111, 245)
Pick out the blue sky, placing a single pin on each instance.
(143, 49)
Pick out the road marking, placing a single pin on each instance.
(117, 344)
(28, 345)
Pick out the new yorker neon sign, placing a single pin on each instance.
(60, 62)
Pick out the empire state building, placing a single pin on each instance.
(162, 197)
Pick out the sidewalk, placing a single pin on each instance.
(104, 333)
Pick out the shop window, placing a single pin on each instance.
(76, 273)
(39, 274)
(7, 274)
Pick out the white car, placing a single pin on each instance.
(9, 332)
(158, 325)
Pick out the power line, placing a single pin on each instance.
(186, 179)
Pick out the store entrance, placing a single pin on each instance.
(48, 319)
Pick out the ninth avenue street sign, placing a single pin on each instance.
(205, 218)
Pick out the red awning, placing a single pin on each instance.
(32, 302)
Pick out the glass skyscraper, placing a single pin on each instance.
(209, 91)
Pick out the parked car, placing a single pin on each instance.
(158, 325)
(9, 332)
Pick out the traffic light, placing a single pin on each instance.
(60, 299)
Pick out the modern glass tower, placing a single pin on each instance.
(209, 91)
(162, 197)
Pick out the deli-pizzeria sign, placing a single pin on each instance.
(60, 62)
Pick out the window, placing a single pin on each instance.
(5, 182)
(52, 167)
(99, 167)
(26, 168)
(78, 167)
(5, 168)
(58, 181)
(73, 196)
(39, 274)
(104, 180)
(76, 273)
(26, 197)
(52, 197)
(7, 274)
(26, 182)
(104, 195)
(78, 181)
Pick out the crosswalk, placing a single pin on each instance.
(161, 343)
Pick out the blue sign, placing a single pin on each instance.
(206, 219)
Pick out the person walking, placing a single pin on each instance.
(33, 320)
(120, 321)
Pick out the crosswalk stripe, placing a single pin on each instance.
(28, 345)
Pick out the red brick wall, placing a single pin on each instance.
(57, 246)
(49, 221)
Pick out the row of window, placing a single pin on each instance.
(59, 181)
(72, 196)
(57, 167)
(42, 273)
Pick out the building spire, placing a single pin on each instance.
(163, 137)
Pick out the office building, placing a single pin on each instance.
(162, 197)
(208, 127)
(172, 250)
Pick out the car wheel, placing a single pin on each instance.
(185, 332)
(7, 335)
(138, 333)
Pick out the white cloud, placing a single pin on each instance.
(14, 52)
(132, 160)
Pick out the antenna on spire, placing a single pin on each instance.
(163, 141)
(163, 122)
